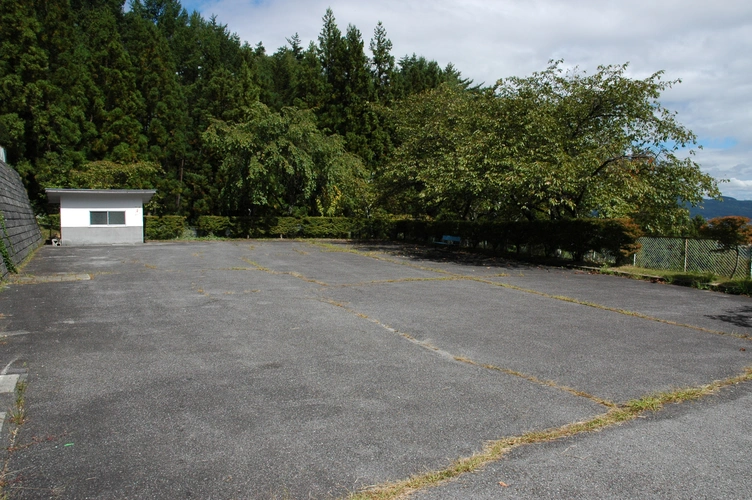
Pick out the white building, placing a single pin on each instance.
(101, 216)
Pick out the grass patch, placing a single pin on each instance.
(18, 412)
(702, 281)
(668, 275)
(536, 380)
(736, 287)
(256, 265)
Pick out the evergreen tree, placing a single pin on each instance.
(24, 66)
(116, 104)
(331, 50)
(88, 89)
(382, 65)
(163, 116)
(356, 121)
(310, 84)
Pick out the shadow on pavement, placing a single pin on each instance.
(739, 317)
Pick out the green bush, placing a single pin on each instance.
(167, 227)
(49, 224)
(213, 225)
(540, 237)
(297, 227)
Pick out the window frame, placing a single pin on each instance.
(108, 216)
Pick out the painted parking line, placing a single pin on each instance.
(8, 383)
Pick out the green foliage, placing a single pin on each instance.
(554, 145)
(157, 97)
(167, 227)
(729, 232)
(6, 247)
(213, 225)
(443, 166)
(576, 236)
(109, 175)
(294, 227)
(599, 143)
(50, 223)
(275, 162)
(741, 287)
(382, 65)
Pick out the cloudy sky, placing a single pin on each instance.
(706, 44)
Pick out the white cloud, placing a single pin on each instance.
(736, 188)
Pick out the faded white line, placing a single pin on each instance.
(13, 333)
(5, 370)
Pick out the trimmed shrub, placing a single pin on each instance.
(167, 227)
(299, 227)
(213, 225)
(616, 237)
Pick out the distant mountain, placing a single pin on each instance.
(729, 206)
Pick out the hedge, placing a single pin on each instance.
(293, 227)
(167, 227)
(617, 237)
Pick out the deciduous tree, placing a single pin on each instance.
(557, 144)
(281, 163)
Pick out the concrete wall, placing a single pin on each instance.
(102, 235)
(23, 232)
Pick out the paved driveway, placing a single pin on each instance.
(292, 369)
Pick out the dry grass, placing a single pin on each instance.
(16, 419)
(495, 450)
(536, 380)
(398, 280)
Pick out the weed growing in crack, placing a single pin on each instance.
(16, 419)
(18, 412)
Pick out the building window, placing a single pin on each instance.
(107, 218)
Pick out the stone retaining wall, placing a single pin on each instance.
(21, 234)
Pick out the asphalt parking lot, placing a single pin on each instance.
(299, 369)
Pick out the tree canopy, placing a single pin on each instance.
(94, 95)
(556, 144)
(271, 163)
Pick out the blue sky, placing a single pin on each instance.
(706, 44)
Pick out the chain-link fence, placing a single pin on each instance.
(688, 254)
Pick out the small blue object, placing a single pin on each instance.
(449, 240)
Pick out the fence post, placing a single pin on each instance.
(686, 250)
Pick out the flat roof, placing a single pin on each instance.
(54, 194)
